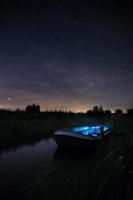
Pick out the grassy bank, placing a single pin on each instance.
(19, 128)
(24, 128)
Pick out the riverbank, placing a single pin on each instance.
(20, 128)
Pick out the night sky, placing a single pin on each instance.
(66, 54)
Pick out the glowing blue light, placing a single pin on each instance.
(105, 128)
(90, 130)
(81, 128)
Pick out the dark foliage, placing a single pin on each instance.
(107, 113)
(118, 111)
(33, 108)
(130, 112)
(98, 112)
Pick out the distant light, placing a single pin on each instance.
(9, 98)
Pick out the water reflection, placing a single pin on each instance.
(18, 166)
(28, 143)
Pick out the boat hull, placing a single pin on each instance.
(71, 141)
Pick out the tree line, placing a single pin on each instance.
(95, 111)
(99, 111)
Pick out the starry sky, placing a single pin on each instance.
(68, 55)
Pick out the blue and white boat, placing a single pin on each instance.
(83, 136)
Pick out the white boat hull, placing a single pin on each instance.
(66, 139)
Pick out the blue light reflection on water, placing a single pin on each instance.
(90, 130)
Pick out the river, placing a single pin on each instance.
(19, 166)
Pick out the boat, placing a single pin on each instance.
(82, 137)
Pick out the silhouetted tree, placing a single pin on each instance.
(118, 111)
(107, 112)
(32, 108)
(101, 109)
(89, 113)
(95, 109)
(130, 111)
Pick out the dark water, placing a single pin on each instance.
(20, 166)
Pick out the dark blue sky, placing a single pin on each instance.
(66, 54)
